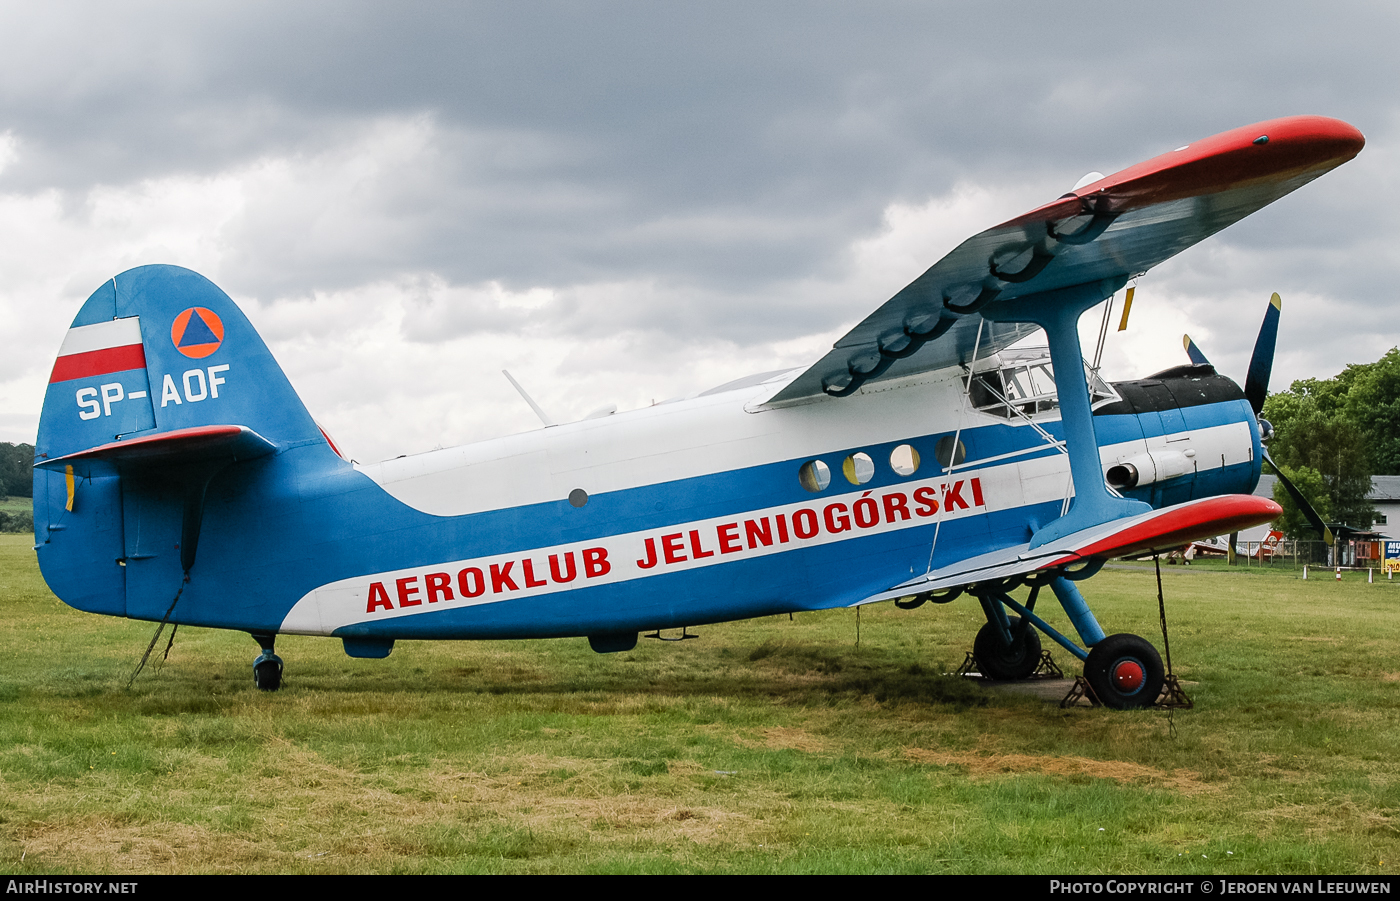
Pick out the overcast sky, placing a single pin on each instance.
(623, 202)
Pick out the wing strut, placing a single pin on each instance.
(957, 436)
(1058, 313)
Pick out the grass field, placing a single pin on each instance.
(765, 746)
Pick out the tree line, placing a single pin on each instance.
(16, 470)
(16, 480)
(1331, 436)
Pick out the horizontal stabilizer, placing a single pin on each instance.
(197, 444)
(1165, 528)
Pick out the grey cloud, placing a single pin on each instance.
(719, 159)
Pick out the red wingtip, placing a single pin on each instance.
(1271, 150)
(1276, 150)
(1188, 522)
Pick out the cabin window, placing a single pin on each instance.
(578, 497)
(858, 468)
(946, 454)
(814, 476)
(904, 460)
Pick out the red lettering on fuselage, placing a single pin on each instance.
(671, 544)
(927, 500)
(695, 550)
(406, 593)
(378, 597)
(686, 546)
(439, 587)
(595, 562)
(836, 519)
(500, 578)
(758, 532)
(865, 512)
(465, 579)
(530, 581)
(570, 571)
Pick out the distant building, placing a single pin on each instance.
(1358, 548)
(1384, 497)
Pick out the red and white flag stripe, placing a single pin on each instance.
(91, 350)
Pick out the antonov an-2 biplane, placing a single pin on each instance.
(179, 478)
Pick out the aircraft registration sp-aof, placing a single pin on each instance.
(178, 477)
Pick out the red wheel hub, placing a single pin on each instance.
(1128, 676)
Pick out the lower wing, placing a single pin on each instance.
(1157, 529)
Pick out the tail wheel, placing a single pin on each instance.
(267, 672)
(1007, 663)
(1125, 672)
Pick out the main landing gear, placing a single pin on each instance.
(1007, 662)
(267, 669)
(1124, 671)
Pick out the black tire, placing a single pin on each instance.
(1125, 672)
(267, 672)
(1007, 664)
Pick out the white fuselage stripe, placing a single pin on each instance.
(657, 551)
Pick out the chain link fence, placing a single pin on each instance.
(1295, 555)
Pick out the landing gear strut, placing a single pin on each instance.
(267, 669)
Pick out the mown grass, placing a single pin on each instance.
(765, 746)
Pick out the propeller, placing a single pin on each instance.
(1256, 390)
(1194, 352)
(1256, 382)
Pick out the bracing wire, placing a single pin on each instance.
(159, 629)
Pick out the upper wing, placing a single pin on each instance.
(1121, 225)
(1168, 527)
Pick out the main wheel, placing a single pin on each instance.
(1007, 664)
(1125, 672)
(267, 672)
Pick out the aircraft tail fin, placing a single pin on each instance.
(161, 383)
(160, 349)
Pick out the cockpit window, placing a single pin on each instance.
(1024, 385)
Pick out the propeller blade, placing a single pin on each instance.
(1256, 383)
(1308, 512)
(1194, 352)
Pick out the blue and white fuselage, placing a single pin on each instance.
(696, 510)
(686, 512)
